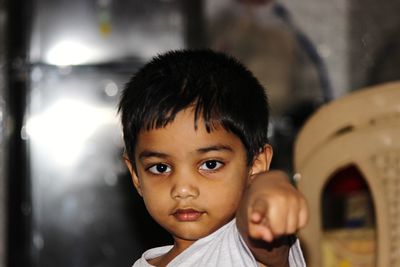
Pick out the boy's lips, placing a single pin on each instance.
(187, 215)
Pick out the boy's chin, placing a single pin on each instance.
(193, 232)
(190, 235)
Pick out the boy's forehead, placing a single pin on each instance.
(189, 117)
(198, 124)
(185, 123)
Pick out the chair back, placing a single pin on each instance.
(360, 129)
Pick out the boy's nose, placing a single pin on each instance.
(183, 191)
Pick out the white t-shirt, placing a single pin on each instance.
(224, 247)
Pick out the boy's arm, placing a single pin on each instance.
(270, 212)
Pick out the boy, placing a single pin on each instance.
(195, 130)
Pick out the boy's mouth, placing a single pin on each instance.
(187, 215)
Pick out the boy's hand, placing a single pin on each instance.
(274, 207)
(271, 210)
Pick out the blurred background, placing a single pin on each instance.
(65, 197)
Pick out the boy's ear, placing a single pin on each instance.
(262, 161)
(134, 176)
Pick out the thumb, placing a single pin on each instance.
(258, 210)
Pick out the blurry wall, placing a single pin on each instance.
(2, 134)
(326, 24)
(375, 42)
(351, 36)
(103, 30)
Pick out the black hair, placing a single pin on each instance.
(221, 90)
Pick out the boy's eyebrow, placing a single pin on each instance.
(214, 148)
(149, 154)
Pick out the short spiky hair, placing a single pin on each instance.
(220, 89)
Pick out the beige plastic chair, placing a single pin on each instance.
(362, 129)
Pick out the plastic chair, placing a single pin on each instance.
(362, 129)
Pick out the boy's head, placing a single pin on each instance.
(219, 89)
(195, 128)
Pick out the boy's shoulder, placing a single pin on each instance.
(151, 254)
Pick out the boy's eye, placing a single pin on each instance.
(159, 169)
(211, 165)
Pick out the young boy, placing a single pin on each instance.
(195, 127)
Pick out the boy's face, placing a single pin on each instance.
(191, 180)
